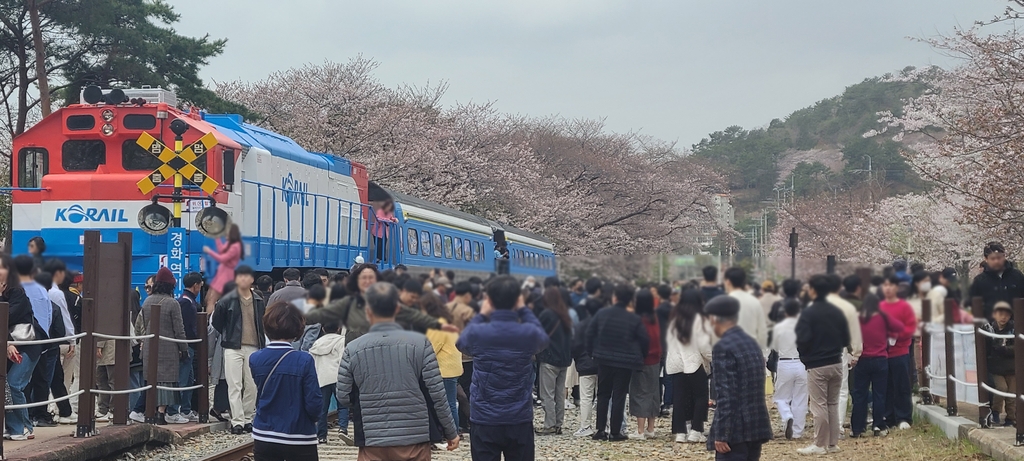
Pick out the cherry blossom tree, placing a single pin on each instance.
(590, 190)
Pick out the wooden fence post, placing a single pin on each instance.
(926, 352)
(87, 368)
(981, 356)
(152, 361)
(4, 312)
(203, 362)
(951, 405)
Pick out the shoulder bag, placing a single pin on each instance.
(259, 394)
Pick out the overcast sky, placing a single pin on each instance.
(674, 69)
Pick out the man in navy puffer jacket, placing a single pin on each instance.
(502, 339)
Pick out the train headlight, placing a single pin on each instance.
(155, 219)
(108, 115)
(212, 221)
(107, 129)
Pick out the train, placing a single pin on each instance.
(78, 169)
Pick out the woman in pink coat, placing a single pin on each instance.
(228, 255)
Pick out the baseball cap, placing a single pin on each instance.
(949, 274)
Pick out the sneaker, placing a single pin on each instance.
(696, 437)
(600, 435)
(789, 429)
(17, 437)
(584, 432)
(103, 418)
(618, 437)
(73, 419)
(636, 436)
(44, 423)
(649, 434)
(346, 439)
(569, 405)
(904, 426)
(137, 417)
(177, 418)
(247, 428)
(681, 438)
(546, 431)
(665, 413)
(237, 430)
(880, 432)
(192, 416)
(321, 440)
(833, 449)
(812, 450)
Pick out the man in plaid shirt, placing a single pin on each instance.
(741, 424)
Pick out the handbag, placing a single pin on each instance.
(23, 332)
(773, 361)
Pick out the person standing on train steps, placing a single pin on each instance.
(390, 381)
(502, 339)
(238, 318)
(227, 255)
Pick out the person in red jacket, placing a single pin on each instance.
(872, 368)
(898, 405)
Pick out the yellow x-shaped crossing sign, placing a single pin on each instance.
(177, 163)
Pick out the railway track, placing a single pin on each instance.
(241, 452)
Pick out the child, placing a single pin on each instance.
(1000, 361)
(327, 352)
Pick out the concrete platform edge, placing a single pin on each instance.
(959, 428)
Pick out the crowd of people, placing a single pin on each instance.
(415, 362)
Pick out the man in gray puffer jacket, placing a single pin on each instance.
(391, 384)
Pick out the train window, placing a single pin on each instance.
(80, 122)
(479, 251)
(33, 163)
(413, 247)
(425, 242)
(437, 245)
(458, 248)
(448, 252)
(139, 122)
(468, 249)
(83, 155)
(135, 158)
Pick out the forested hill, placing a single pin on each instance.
(815, 149)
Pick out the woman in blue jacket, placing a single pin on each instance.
(288, 399)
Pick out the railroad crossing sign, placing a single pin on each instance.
(177, 163)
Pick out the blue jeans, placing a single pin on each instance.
(135, 381)
(870, 372)
(185, 379)
(38, 389)
(328, 393)
(18, 377)
(451, 389)
(898, 406)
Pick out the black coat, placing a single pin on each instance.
(19, 309)
(821, 335)
(1000, 351)
(585, 363)
(227, 320)
(559, 352)
(994, 287)
(617, 338)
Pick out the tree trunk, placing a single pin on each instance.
(40, 50)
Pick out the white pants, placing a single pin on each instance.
(241, 387)
(71, 379)
(588, 389)
(791, 394)
(844, 391)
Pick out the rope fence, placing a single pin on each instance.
(180, 341)
(63, 339)
(39, 404)
(121, 391)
